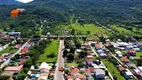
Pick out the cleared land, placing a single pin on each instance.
(51, 48)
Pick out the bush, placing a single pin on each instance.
(80, 65)
(51, 55)
(66, 71)
(114, 77)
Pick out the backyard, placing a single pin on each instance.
(138, 54)
(51, 48)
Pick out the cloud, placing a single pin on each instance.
(25, 1)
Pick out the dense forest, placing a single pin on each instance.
(59, 12)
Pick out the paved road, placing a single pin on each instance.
(7, 61)
(123, 65)
(60, 62)
(101, 61)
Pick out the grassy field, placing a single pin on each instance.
(8, 50)
(71, 64)
(51, 48)
(138, 54)
(113, 70)
(83, 29)
(121, 30)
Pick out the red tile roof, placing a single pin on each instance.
(14, 68)
(86, 43)
(74, 70)
(121, 68)
(125, 59)
(25, 49)
(70, 77)
(82, 77)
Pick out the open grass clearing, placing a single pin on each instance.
(51, 48)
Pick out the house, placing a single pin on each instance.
(70, 77)
(98, 45)
(128, 74)
(140, 45)
(87, 72)
(44, 71)
(125, 59)
(99, 74)
(137, 49)
(131, 65)
(81, 77)
(138, 73)
(121, 69)
(24, 51)
(74, 71)
(103, 55)
(44, 67)
(118, 53)
(14, 33)
(17, 46)
(89, 62)
(131, 52)
(10, 70)
(100, 51)
(129, 47)
(90, 39)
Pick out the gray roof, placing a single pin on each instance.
(99, 72)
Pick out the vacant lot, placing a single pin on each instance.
(51, 48)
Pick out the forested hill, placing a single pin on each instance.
(9, 2)
(90, 10)
(59, 11)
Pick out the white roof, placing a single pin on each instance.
(99, 71)
(32, 67)
(140, 67)
(128, 72)
(136, 48)
(78, 50)
(44, 65)
(118, 52)
(89, 56)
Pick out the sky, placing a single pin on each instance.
(24, 1)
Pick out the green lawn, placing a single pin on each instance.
(51, 48)
(138, 54)
(8, 50)
(113, 70)
(71, 64)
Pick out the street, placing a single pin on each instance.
(60, 63)
(7, 61)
